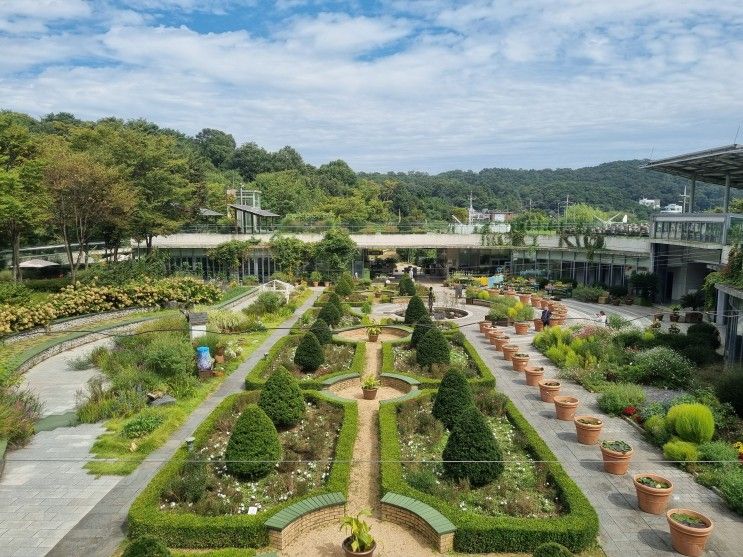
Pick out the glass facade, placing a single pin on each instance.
(689, 231)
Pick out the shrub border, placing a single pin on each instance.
(478, 533)
(188, 530)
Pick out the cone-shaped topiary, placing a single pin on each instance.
(330, 314)
(415, 310)
(345, 285)
(453, 397)
(281, 399)
(422, 326)
(146, 546)
(321, 330)
(432, 349)
(309, 355)
(335, 299)
(471, 451)
(253, 449)
(406, 286)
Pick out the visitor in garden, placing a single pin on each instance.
(546, 316)
(601, 318)
(430, 300)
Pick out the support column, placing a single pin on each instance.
(692, 194)
(726, 210)
(722, 299)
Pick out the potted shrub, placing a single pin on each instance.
(675, 315)
(509, 350)
(548, 389)
(360, 542)
(373, 333)
(588, 429)
(689, 531)
(565, 407)
(538, 325)
(653, 492)
(522, 316)
(534, 375)
(519, 361)
(370, 386)
(315, 278)
(499, 341)
(616, 455)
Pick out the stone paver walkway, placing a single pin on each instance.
(624, 530)
(103, 528)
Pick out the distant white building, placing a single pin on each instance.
(672, 208)
(651, 203)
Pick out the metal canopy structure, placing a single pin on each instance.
(206, 212)
(37, 264)
(254, 210)
(714, 166)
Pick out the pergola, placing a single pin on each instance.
(722, 166)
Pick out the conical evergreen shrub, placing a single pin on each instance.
(281, 399)
(345, 285)
(432, 349)
(415, 310)
(422, 326)
(254, 448)
(309, 355)
(321, 330)
(471, 452)
(452, 399)
(335, 299)
(406, 286)
(330, 314)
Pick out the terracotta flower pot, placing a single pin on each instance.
(548, 389)
(689, 540)
(616, 462)
(565, 407)
(484, 326)
(538, 325)
(652, 499)
(509, 350)
(525, 299)
(373, 338)
(534, 375)
(369, 394)
(519, 361)
(351, 553)
(500, 342)
(494, 332)
(588, 433)
(522, 327)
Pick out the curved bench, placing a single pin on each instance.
(422, 518)
(400, 382)
(288, 524)
(339, 379)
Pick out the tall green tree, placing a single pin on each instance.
(335, 253)
(290, 253)
(215, 145)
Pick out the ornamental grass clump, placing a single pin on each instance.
(281, 399)
(309, 355)
(472, 452)
(253, 448)
(169, 355)
(415, 310)
(321, 330)
(693, 422)
(677, 450)
(423, 325)
(452, 399)
(432, 349)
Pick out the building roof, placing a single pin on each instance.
(37, 264)
(710, 165)
(204, 212)
(255, 211)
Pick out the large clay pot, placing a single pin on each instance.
(351, 553)
(588, 433)
(522, 327)
(484, 326)
(538, 325)
(509, 350)
(500, 342)
(652, 499)
(548, 389)
(519, 361)
(494, 332)
(688, 540)
(525, 299)
(565, 407)
(616, 462)
(369, 394)
(534, 375)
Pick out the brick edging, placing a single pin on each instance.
(310, 521)
(408, 519)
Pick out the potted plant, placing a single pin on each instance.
(616, 455)
(522, 316)
(658, 316)
(588, 429)
(674, 329)
(499, 341)
(603, 297)
(360, 542)
(675, 315)
(548, 389)
(534, 375)
(485, 326)
(653, 492)
(689, 531)
(219, 349)
(509, 350)
(525, 298)
(373, 333)
(315, 278)
(519, 361)
(565, 407)
(370, 386)
(629, 300)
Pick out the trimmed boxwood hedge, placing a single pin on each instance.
(189, 530)
(478, 533)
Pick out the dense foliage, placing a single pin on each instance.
(281, 399)
(406, 286)
(309, 355)
(471, 452)
(452, 399)
(146, 546)
(321, 330)
(253, 448)
(330, 314)
(422, 326)
(415, 310)
(432, 349)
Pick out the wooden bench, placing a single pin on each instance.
(420, 517)
(399, 381)
(308, 514)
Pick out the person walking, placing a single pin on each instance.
(430, 300)
(546, 316)
(601, 318)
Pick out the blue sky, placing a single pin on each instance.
(393, 84)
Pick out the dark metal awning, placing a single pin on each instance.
(204, 212)
(710, 165)
(253, 210)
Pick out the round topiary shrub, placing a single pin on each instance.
(146, 546)
(657, 428)
(692, 422)
(432, 349)
(415, 310)
(309, 355)
(330, 314)
(471, 452)
(321, 330)
(707, 334)
(281, 399)
(452, 399)
(730, 389)
(552, 549)
(423, 325)
(406, 286)
(253, 448)
(677, 450)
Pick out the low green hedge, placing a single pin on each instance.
(188, 530)
(478, 533)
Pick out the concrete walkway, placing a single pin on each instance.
(103, 528)
(624, 530)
